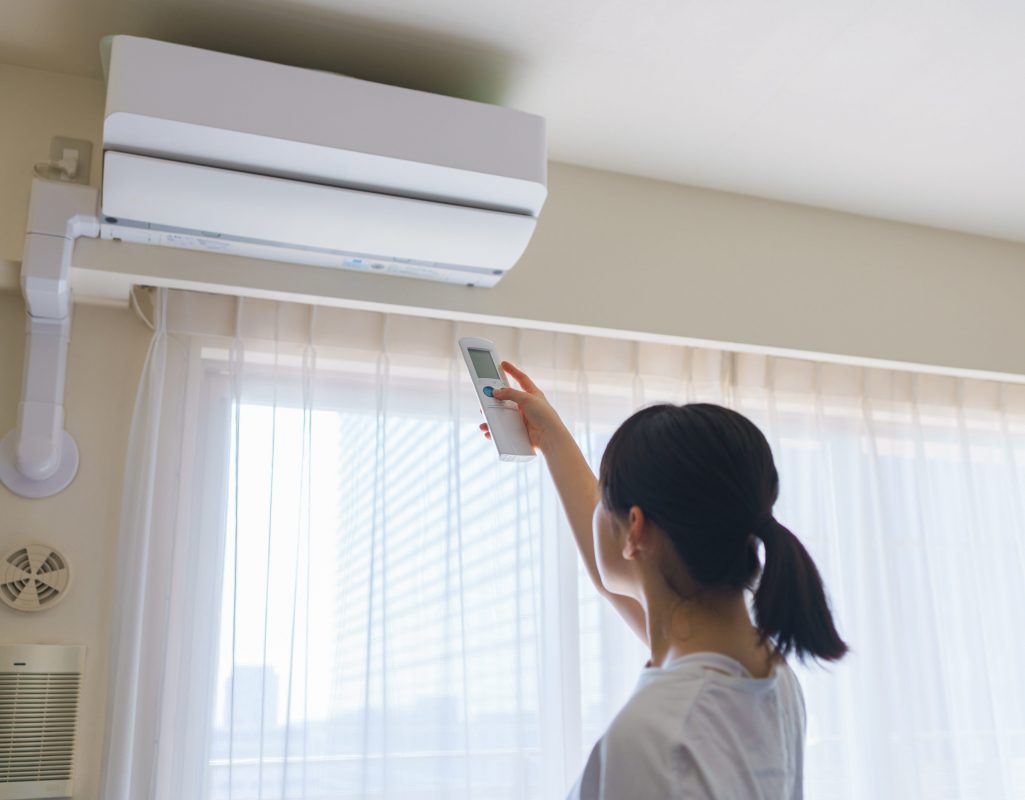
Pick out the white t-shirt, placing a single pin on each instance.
(701, 727)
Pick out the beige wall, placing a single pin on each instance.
(612, 253)
(105, 358)
(615, 253)
(36, 106)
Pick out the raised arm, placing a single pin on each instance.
(574, 480)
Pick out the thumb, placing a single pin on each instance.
(511, 394)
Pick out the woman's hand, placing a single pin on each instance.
(542, 421)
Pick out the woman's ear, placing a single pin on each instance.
(637, 537)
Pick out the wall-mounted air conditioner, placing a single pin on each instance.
(209, 151)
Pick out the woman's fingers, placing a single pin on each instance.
(521, 377)
(517, 396)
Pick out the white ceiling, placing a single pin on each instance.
(912, 110)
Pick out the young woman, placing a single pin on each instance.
(669, 534)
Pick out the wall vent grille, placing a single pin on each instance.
(33, 578)
(39, 692)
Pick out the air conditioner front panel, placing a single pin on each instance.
(226, 203)
(284, 158)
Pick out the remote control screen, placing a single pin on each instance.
(483, 363)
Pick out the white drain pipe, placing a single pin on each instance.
(39, 458)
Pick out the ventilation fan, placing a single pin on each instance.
(33, 578)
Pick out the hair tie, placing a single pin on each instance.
(765, 527)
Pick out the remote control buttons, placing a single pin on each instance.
(489, 391)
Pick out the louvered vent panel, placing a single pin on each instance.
(38, 715)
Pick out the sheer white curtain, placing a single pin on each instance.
(329, 586)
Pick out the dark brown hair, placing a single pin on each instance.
(705, 476)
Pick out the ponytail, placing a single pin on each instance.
(790, 602)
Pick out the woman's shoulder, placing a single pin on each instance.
(636, 756)
(660, 702)
(667, 702)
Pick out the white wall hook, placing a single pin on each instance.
(39, 458)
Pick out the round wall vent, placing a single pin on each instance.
(33, 578)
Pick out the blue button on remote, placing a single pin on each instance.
(488, 391)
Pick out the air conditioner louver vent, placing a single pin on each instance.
(33, 578)
(39, 691)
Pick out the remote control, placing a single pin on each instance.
(508, 431)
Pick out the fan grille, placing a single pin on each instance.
(33, 578)
(37, 726)
(40, 687)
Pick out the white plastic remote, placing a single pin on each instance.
(508, 431)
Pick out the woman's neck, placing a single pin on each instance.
(714, 621)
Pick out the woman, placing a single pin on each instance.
(669, 535)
